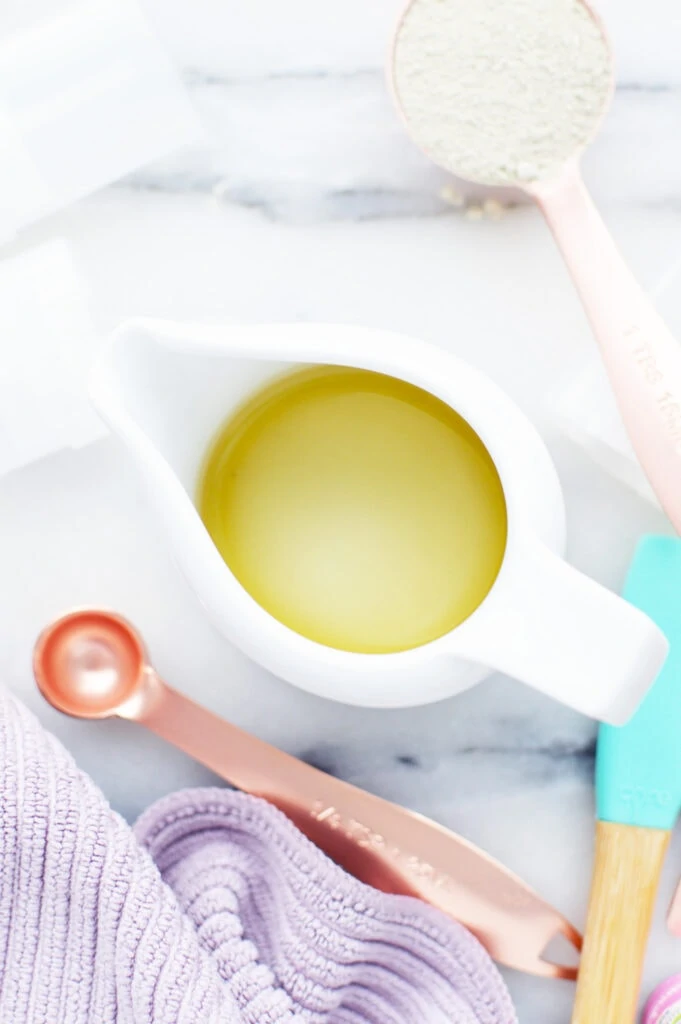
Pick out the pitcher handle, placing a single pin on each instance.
(556, 629)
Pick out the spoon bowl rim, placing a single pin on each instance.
(61, 692)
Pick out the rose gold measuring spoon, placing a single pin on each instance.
(92, 664)
(642, 358)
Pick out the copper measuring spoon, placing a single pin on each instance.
(93, 664)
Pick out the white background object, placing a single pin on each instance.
(87, 95)
(48, 341)
(327, 212)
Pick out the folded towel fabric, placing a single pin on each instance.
(215, 909)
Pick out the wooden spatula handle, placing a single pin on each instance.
(626, 871)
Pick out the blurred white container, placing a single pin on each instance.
(87, 95)
(48, 343)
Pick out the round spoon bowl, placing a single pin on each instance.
(444, 109)
(89, 663)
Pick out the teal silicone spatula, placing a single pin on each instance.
(638, 798)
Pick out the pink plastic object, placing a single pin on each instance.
(92, 664)
(664, 1005)
(642, 357)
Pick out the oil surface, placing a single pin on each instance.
(357, 509)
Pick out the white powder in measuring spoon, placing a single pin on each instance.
(501, 92)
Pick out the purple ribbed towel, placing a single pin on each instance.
(215, 910)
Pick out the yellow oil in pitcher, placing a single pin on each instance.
(357, 509)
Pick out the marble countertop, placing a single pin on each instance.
(306, 202)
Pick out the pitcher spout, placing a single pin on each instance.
(164, 392)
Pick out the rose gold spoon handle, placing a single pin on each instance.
(642, 357)
(92, 664)
(383, 844)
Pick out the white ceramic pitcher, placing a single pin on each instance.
(166, 388)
